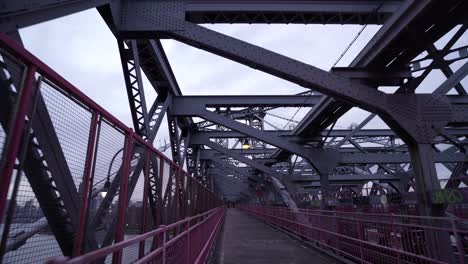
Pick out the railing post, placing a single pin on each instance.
(87, 183)
(120, 227)
(164, 245)
(358, 230)
(14, 136)
(141, 251)
(160, 199)
(395, 238)
(460, 249)
(187, 229)
(177, 195)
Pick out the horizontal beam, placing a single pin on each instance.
(350, 177)
(247, 101)
(397, 158)
(334, 133)
(283, 11)
(21, 13)
(374, 78)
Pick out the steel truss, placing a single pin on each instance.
(314, 159)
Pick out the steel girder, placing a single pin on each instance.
(403, 27)
(280, 11)
(184, 103)
(367, 158)
(365, 133)
(134, 84)
(19, 14)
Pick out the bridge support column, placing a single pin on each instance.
(427, 182)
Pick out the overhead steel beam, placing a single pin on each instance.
(334, 133)
(453, 80)
(417, 22)
(353, 156)
(247, 100)
(349, 177)
(22, 13)
(380, 51)
(134, 86)
(281, 11)
(371, 158)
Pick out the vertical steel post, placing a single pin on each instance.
(177, 194)
(189, 197)
(120, 227)
(141, 251)
(160, 204)
(164, 245)
(422, 157)
(458, 241)
(15, 135)
(395, 239)
(87, 183)
(359, 237)
(187, 229)
(170, 202)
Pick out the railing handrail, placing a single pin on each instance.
(369, 214)
(352, 238)
(103, 252)
(394, 241)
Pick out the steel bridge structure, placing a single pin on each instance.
(77, 185)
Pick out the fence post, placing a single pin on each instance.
(120, 227)
(164, 245)
(460, 249)
(87, 183)
(177, 204)
(141, 251)
(160, 199)
(395, 238)
(187, 228)
(358, 230)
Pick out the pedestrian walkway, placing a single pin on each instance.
(247, 240)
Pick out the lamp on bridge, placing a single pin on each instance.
(246, 144)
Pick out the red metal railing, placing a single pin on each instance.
(192, 245)
(373, 238)
(99, 151)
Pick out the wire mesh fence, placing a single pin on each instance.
(373, 238)
(185, 241)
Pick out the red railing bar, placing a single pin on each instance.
(176, 238)
(266, 216)
(126, 160)
(364, 214)
(102, 252)
(86, 179)
(15, 135)
(146, 172)
(208, 245)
